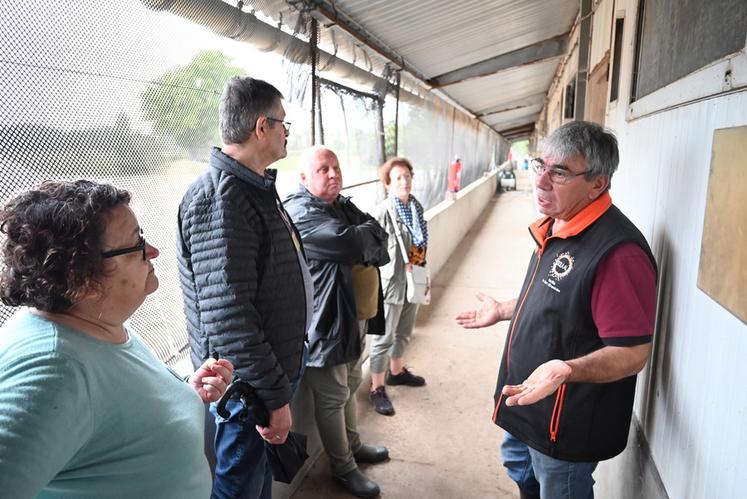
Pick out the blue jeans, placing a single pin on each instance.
(241, 467)
(541, 475)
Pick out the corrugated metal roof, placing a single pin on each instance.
(438, 36)
(435, 37)
(520, 116)
(504, 87)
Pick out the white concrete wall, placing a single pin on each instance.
(691, 407)
(690, 401)
(449, 221)
(600, 31)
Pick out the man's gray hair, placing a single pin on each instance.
(588, 140)
(243, 101)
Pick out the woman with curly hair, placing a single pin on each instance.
(86, 410)
(388, 351)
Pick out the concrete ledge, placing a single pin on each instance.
(450, 220)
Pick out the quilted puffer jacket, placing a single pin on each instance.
(241, 277)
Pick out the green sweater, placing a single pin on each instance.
(81, 418)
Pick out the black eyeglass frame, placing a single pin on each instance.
(140, 246)
(554, 172)
(286, 124)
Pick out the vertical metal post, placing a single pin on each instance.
(451, 139)
(314, 82)
(582, 75)
(380, 130)
(396, 117)
(319, 114)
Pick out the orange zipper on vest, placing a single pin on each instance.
(556, 412)
(497, 406)
(513, 328)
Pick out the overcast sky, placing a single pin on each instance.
(76, 64)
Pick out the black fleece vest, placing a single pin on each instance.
(581, 421)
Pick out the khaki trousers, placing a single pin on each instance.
(333, 391)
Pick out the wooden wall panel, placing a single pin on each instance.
(722, 273)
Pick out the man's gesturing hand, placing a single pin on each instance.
(488, 314)
(541, 383)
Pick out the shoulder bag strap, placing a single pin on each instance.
(398, 232)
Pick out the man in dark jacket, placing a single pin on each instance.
(247, 290)
(344, 247)
(581, 328)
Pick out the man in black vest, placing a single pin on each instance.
(581, 327)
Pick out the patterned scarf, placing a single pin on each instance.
(412, 216)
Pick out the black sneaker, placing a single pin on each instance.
(404, 378)
(381, 402)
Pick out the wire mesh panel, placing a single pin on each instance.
(431, 134)
(127, 92)
(112, 91)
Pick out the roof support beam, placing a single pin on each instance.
(546, 49)
(532, 100)
(517, 131)
(330, 11)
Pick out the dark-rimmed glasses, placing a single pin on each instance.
(286, 124)
(558, 174)
(140, 246)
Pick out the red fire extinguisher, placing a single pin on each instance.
(455, 175)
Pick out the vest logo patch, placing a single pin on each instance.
(560, 267)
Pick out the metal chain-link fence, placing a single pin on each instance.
(127, 93)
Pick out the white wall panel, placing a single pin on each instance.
(691, 400)
(600, 32)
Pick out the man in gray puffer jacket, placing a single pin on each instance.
(247, 290)
(344, 247)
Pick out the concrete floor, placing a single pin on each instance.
(442, 442)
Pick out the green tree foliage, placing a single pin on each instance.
(389, 140)
(183, 102)
(519, 149)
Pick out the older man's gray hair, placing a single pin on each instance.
(588, 140)
(243, 101)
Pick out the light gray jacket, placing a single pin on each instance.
(393, 280)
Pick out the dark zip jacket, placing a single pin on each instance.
(336, 236)
(241, 277)
(553, 320)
